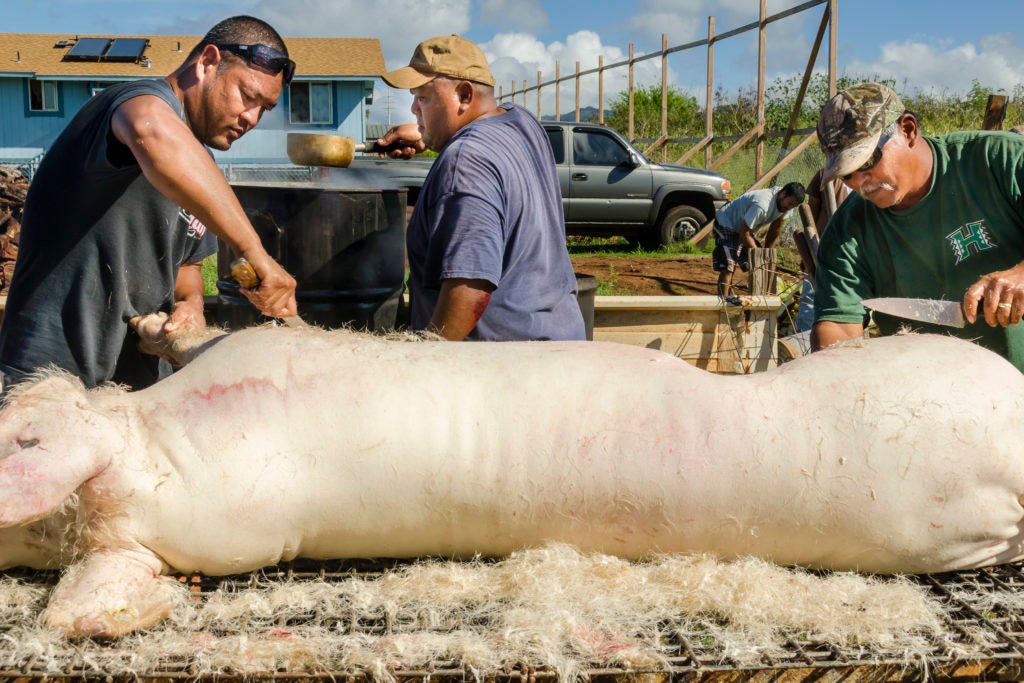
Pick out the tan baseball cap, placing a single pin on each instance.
(851, 124)
(452, 56)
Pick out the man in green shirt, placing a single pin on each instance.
(933, 217)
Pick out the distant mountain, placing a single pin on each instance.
(587, 115)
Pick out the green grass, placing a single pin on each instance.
(210, 275)
(613, 247)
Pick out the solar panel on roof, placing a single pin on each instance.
(126, 50)
(88, 49)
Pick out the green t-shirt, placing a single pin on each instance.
(970, 223)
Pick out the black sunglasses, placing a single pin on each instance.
(264, 57)
(876, 156)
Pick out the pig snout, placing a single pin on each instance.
(51, 442)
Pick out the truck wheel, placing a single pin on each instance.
(680, 224)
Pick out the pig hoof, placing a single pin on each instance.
(109, 624)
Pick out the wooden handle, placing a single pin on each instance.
(244, 273)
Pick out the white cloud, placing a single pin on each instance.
(996, 62)
(524, 15)
(683, 21)
(400, 24)
(515, 57)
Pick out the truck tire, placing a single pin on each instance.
(680, 224)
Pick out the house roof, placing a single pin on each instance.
(38, 54)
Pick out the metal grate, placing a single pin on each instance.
(977, 602)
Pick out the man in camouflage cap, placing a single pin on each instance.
(933, 217)
(851, 127)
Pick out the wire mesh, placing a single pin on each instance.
(983, 639)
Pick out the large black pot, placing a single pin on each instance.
(345, 248)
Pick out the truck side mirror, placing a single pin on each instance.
(634, 160)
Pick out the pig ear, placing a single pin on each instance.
(34, 482)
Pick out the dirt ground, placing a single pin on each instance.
(685, 274)
(682, 274)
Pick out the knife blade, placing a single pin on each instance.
(937, 311)
(245, 275)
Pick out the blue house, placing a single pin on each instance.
(45, 79)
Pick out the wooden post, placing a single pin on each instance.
(558, 91)
(807, 262)
(631, 128)
(538, 94)
(995, 113)
(708, 107)
(799, 103)
(810, 229)
(577, 92)
(664, 94)
(833, 42)
(600, 88)
(763, 272)
(761, 31)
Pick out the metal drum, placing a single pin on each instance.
(345, 248)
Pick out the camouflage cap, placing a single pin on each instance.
(851, 124)
(452, 56)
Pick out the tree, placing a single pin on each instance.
(685, 118)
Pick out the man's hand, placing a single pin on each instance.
(1001, 295)
(747, 237)
(406, 140)
(186, 313)
(275, 294)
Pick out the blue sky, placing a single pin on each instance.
(943, 47)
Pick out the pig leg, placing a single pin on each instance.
(111, 593)
(179, 346)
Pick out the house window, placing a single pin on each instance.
(42, 95)
(310, 103)
(96, 87)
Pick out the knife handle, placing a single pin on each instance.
(244, 273)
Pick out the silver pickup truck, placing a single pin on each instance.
(609, 188)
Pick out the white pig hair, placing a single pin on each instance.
(548, 607)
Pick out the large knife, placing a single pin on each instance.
(949, 313)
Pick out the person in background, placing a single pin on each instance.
(486, 240)
(737, 221)
(933, 217)
(822, 199)
(128, 202)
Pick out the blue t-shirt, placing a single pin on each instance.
(491, 209)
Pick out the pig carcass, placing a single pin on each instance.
(899, 454)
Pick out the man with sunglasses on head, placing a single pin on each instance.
(128, 202)
(932, 217)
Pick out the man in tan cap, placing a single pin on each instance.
(486, 240)
(933, 217)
